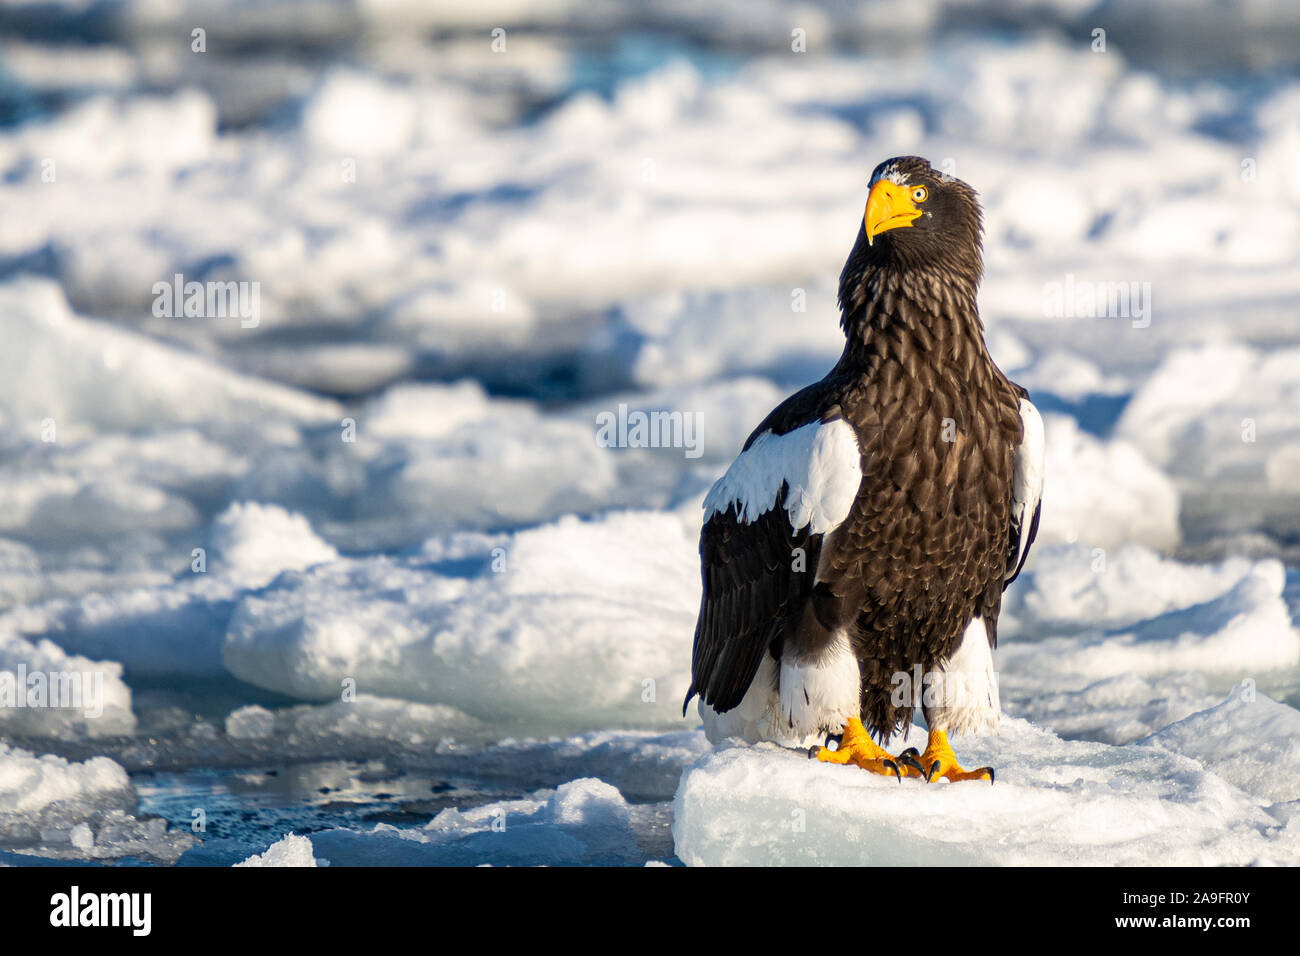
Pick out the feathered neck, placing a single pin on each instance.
(930, 308)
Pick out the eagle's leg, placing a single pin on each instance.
(857, 747)
(939, 761)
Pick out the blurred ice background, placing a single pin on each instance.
(475, 226)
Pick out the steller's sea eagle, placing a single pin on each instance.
(854, 555)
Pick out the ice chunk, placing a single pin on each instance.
(251, 722)
(1205, 412)
(573, 625)
(1079, 587)
(255, 542)
(1248, 740)
(1103, 493)
(178, 628)
(55, 808)
(46, 692)
(1245, 630)
(1070, 376)
(1114, 710)
(1055, 803)
(32, 785)
(77, 373)
(293, 850)
(355, 114)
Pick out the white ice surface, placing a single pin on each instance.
(1248, 740)
(177, 627)
(1243, 631)
(291, 851)
(1103, 493)
(84, 374)
(512, 633)
(1055, 803)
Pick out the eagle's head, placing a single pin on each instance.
(917, 218)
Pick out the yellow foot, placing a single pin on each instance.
(857, 747)
(939, 761)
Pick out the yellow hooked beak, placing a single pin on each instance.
(889, 206)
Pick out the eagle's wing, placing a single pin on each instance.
(765, 520)
(1026, 490)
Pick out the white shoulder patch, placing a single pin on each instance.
(819, 462)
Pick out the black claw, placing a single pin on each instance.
(990, 770)
(890, 765)
(907, 760)
(813, 752)
(837, 738)
(934, 768)
(910, 752)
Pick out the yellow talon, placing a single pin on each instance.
(857, 747)
(939, 761)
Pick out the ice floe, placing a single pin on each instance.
(1055, 802)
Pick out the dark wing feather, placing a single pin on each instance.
(1015, 557)
(756, 585)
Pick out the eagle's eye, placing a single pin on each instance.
(920, 194)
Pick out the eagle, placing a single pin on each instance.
(855, 553)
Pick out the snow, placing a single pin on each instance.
(55, 808)
(257, 542)
(513, 632)
(1242, 631)
(1108, 492)
(1075, 586)
(250, 723)
(291, 851)
(370, 540)
(100, 707)
(1055, 802)
(1117, 710)
(32, 784)
(1249, 740)
(177, 626)
(85, 374)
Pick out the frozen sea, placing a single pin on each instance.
(346, 576)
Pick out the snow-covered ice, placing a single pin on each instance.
(514, 632)
(291, 851)
(53, 808)
(1056, 802)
